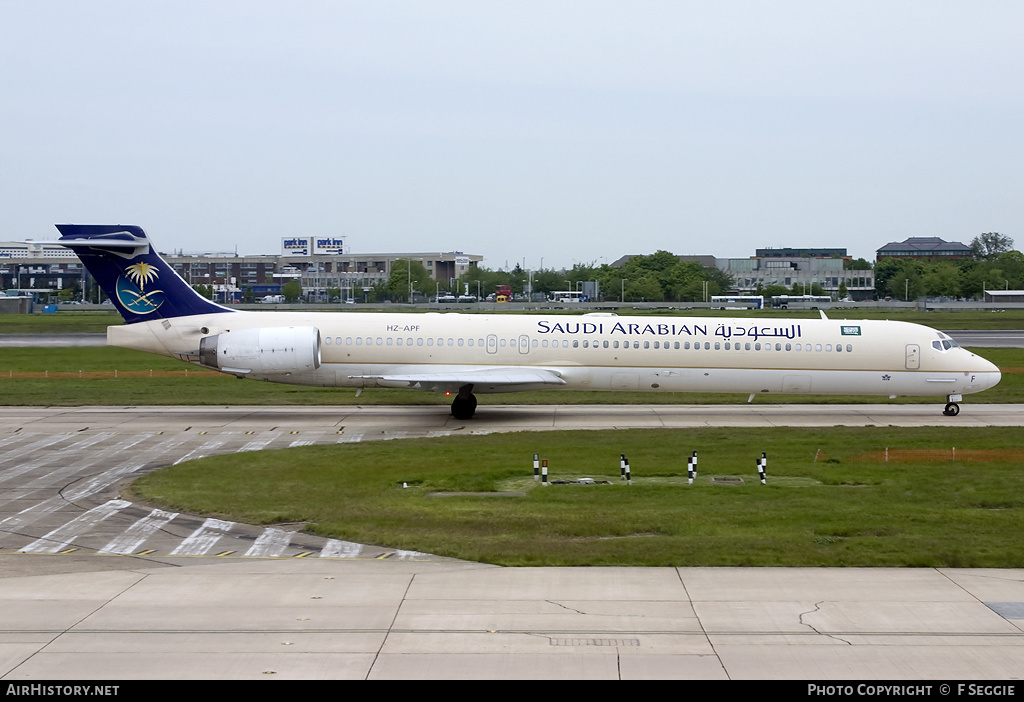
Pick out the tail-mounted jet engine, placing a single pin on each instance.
(263, 351)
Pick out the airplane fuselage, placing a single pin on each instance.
(436, 351)
(465, 354)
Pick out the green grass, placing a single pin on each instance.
(834, 512)
(63, 322)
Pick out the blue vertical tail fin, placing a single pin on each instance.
(140, 283)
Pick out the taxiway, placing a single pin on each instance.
(93, 586)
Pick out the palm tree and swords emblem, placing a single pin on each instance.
(135, 297)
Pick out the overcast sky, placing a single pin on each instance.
(572, 131)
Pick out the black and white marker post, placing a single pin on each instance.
(544, 472)
(762, 466)
(692, 468)
(622, 466)
(536, 467)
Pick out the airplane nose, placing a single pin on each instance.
(988, 373)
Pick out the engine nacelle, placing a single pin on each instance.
(263, 351)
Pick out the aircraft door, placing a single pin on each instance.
(524, 344)
(492, 343)
(913, 357)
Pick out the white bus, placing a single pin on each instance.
(737, 302)
(799, 302)
(567, 296)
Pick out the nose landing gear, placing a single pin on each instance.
(952, 408)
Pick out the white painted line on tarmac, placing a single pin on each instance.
(135, 535)
(203, 538)
(63, 536)
(272, 542)
(201, 452)
(334, 548)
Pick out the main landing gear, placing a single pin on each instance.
(464, 404)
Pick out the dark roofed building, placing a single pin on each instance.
(789, 252)
(705, 261)
(926, 248)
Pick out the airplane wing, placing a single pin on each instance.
(483, 378)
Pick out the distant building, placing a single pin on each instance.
(50, 266)
(799, 273)
(800, 253)
(38, 266)
(1004, 296)
(793, 268)
(705, 261)
(925, 248)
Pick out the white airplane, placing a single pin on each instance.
(461, 354)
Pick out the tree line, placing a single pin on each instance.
(994, 265)
(663, 277)
(660, 276)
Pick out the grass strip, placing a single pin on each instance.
(826, 501)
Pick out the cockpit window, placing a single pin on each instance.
(944, 345)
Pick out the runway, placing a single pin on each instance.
(95, 587)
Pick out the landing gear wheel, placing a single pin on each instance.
(464, 404)
(952, 409)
